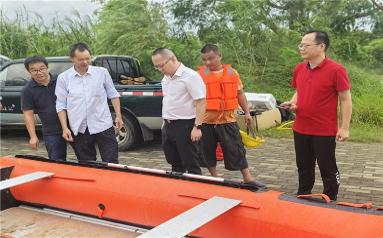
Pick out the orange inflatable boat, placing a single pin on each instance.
(150, 198)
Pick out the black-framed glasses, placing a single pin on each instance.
(36, 71)
(305, 46)
(160, 66)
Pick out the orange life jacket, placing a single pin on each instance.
(221, 93)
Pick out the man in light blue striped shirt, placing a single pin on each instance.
(82, 94)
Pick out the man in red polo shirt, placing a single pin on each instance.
(319, 83)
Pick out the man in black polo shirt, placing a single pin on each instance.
(38, 96)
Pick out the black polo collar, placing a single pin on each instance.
(33, 83)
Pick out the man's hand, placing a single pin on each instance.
(118, 122)
(34, 143)
(342, 135)
(290, 106)
(248, 119)
(195, 134)
(67, 135)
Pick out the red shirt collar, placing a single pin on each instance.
(322, 64)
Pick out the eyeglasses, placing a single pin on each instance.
(161, 66)
(36, 71)
(304, 46)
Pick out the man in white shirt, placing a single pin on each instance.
(183, 108)
(82, 94)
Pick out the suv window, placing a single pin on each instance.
(128, 67)
(117, 67)
(59, 67)
(110, 64)
(17, 75)
(3, 60)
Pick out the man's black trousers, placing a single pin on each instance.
(180, 152)
(309, 149)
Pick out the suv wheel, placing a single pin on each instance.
(128, 135)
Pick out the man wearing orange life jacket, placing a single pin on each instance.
(224, 94)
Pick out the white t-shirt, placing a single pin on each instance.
(180, 92)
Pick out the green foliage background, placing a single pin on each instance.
(258, 37)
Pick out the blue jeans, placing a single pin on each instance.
(56, 147)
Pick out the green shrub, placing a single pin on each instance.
(368, 109)
(375, 49)
(367, 97)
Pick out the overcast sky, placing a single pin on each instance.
(48, 9)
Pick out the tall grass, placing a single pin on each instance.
(367, 94)
(28, 34)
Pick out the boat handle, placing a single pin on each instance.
(323, 196)
(367, 205)
(73, 178)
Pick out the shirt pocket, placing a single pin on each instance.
(75, 89)
(99, 91)
(76, 95)
(96, 88)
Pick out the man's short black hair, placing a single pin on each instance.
(34, 59)
(80, 47)
(164, 52)
(321, 37)
(159, 51)
(210, 47)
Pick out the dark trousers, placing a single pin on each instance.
(309, 149)
(85, 146)
(180, 152)
(56, 147)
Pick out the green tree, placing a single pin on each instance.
(131, 28)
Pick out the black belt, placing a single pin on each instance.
(179, 121)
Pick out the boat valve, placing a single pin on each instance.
(101, 210)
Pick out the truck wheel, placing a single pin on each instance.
(128, 135)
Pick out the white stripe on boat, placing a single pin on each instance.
(192, 219)
(26, 178)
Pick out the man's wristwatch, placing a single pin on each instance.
(198, 126)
